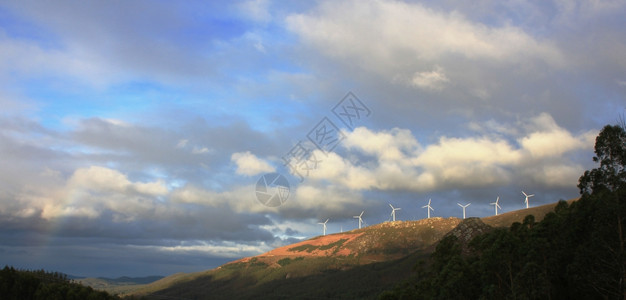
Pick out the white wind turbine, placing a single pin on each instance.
(324, 225)
(393, 212)
(527, 196)
(428, 208)
(496, 205)
(359, 217)
(464, 206)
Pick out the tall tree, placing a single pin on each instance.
(606, 186)
(610, 152)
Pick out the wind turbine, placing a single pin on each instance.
(428, 208)
(496, 205)
(393, 212)
(527, 196)
(324, 225)
(464, 206)
(359, 217)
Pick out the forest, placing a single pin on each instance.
(40, 284)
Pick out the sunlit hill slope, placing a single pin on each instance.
(359, 263)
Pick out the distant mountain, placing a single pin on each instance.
(118, 285)
(356, 264)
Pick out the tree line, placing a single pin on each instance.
(34, 285)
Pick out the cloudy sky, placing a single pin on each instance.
(133, 133)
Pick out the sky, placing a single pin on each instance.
(133, 133)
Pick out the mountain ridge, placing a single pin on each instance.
(391, 248)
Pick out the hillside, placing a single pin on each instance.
(508, 218)
(359, 263)
(320, 255)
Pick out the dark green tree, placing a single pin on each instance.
(606, 188)
(610, 152)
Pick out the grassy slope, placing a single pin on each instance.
(243, 281)
(295, 270)
(506, 219)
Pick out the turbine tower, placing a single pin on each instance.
(393, 212)
(359, 217)
(464, 206)
(428, 208)
(496, 205)
(324, 225)
(527, 196)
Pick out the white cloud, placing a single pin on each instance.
(481, 150)
(396, 161)
(390, 37)
(550, 140)
(329, 198)
(434, 80)
(340, 171)
(91, 191)
(249, 164)
(392, 144)
(101, 179)
(468, 161)
(241, 199)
